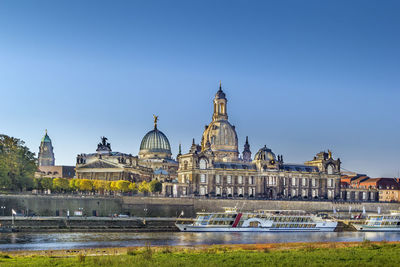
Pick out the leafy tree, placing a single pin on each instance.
(73, 184)
(100, 185)
(123, 185)
(144, 187)
(61, 184)
(36, 184)
(46, 183)
(108, 185)
(155, 186)
(17, 164)
(85, 185)
(113, 186)
(133, 188)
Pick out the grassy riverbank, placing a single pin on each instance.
(294, 254)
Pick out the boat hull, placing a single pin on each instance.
(367, 228)
(190, 228)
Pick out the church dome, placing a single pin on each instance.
(222, 137)
(155, 144)
(264, 154)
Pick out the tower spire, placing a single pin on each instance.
(247, 152)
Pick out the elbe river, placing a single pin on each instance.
(49, 241)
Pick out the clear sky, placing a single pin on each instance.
(300, 76)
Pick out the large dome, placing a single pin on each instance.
(155, 144)
(221, 137)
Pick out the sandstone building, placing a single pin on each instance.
(154, 161)
(108, 165)
(215, 168)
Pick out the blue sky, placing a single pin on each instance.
(300, 76)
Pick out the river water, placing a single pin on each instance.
(47, 241)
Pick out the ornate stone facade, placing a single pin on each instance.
(108, 165)
(214, 168)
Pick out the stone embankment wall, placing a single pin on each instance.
(173, 206)
(88, 224)
(57, 205)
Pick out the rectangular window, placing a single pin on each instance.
(229, 190)
(240, 179)
(217, 179)
(251, 180)
(293, 181)
(240, 191)
(294, 193)
(218, 190)
(202, 190)
(252, 191)
(304, 182)
(304, 193)
(314, 182)
(203, 178)
(229, 179)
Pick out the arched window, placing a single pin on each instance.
(330, 169)
(203, 164)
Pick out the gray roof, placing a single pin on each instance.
(299, 168)
(234, 165)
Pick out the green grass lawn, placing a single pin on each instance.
(364, 255)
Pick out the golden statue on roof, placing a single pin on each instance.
(155, 121)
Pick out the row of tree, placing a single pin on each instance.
(100, 186)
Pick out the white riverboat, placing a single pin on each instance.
(260, 221)
(381, 223)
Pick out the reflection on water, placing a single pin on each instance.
(44, 241)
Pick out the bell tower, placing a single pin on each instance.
(46, 154)
(220, 101)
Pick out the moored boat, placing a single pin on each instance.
(260, 221)
(380, 223)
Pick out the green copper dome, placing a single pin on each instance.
(46, 138)
(155, 141)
